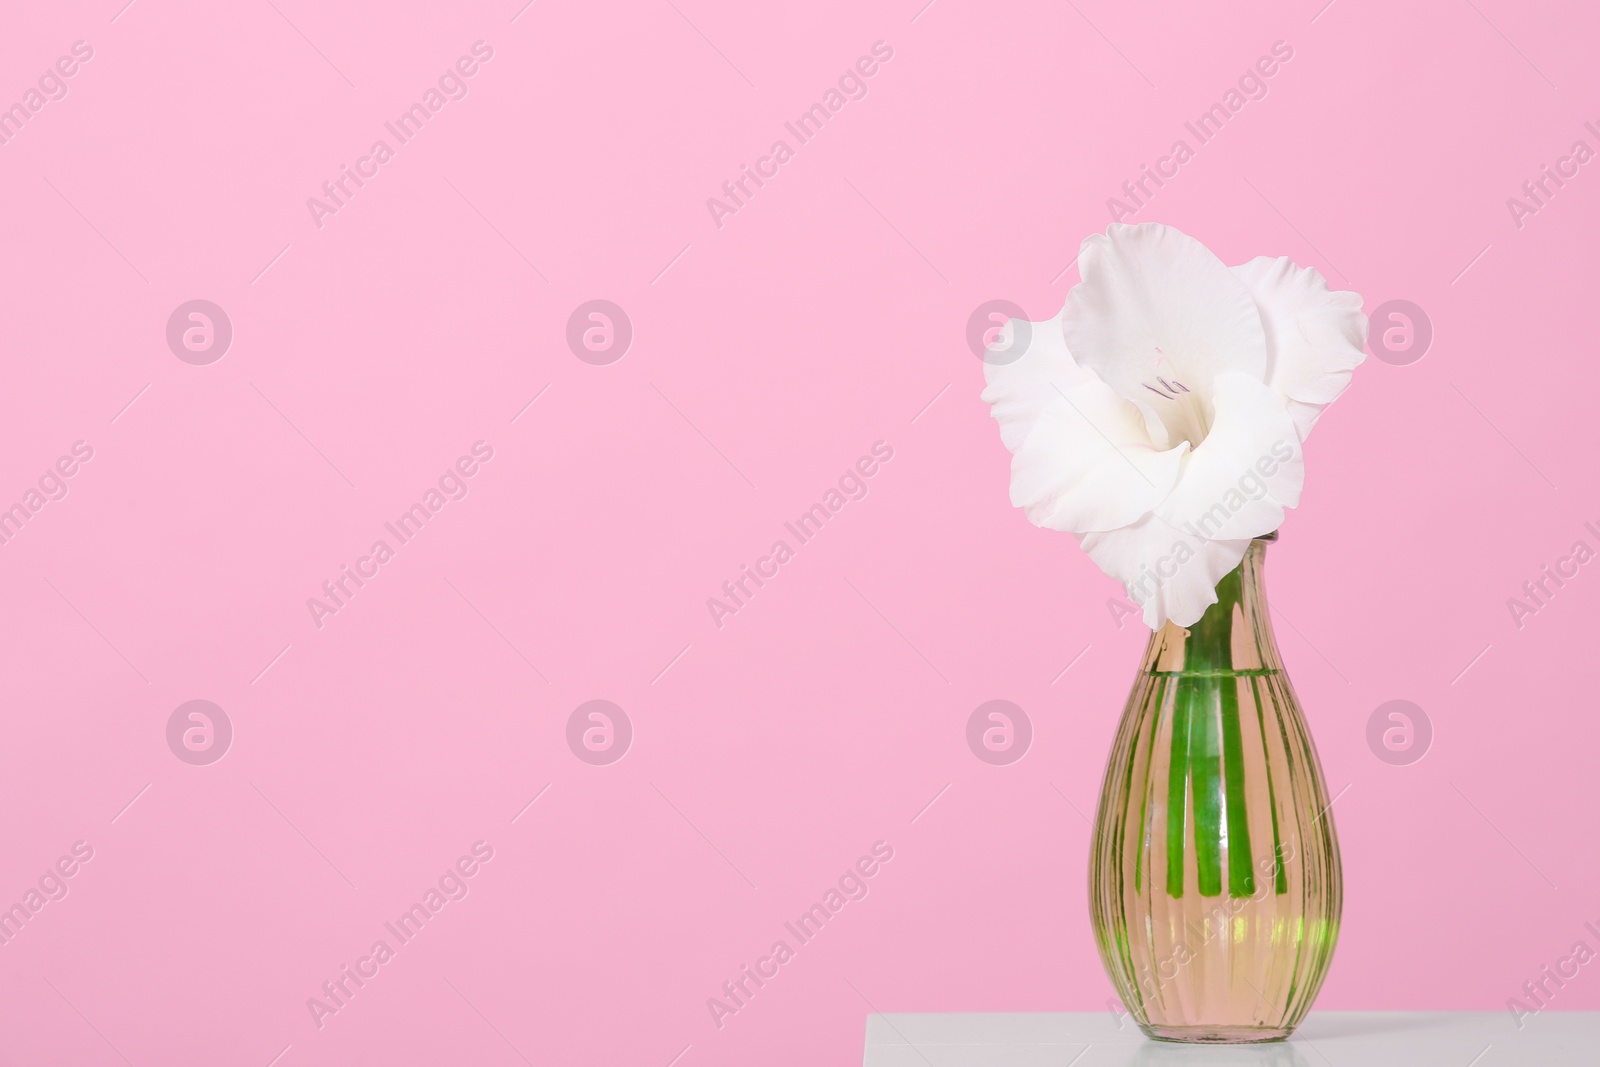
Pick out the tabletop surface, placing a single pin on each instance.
(1326, 1039)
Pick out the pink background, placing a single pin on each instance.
(768, 354)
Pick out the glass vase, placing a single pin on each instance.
(1214, 880)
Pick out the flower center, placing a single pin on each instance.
(1182, 414)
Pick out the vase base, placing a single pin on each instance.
(1217, 1035)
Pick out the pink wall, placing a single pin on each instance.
(769, 353)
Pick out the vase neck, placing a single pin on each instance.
(1235, 633)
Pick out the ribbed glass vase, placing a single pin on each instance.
(1214, 881)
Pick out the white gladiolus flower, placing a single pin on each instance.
(1159, 416)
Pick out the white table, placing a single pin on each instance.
(1325, 1039)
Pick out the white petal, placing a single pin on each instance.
(1315, 338)
(1305, 416)
(1247, 470)
(1170, 573)
(1089, 464)
(1019, 390)
(1156, 303)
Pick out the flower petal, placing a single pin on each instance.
(1168, 572)
(1315, 338)
(1305, 416)
(1089, 464)
(1156, 303)
(1020, 389)
(1247, 470)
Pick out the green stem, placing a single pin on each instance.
(1241, 871)
(1205, 780)
(1207, 765)
(1177, 791)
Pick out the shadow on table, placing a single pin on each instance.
(1171, 1054)
(1299, 1051)
(1358, 1024)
